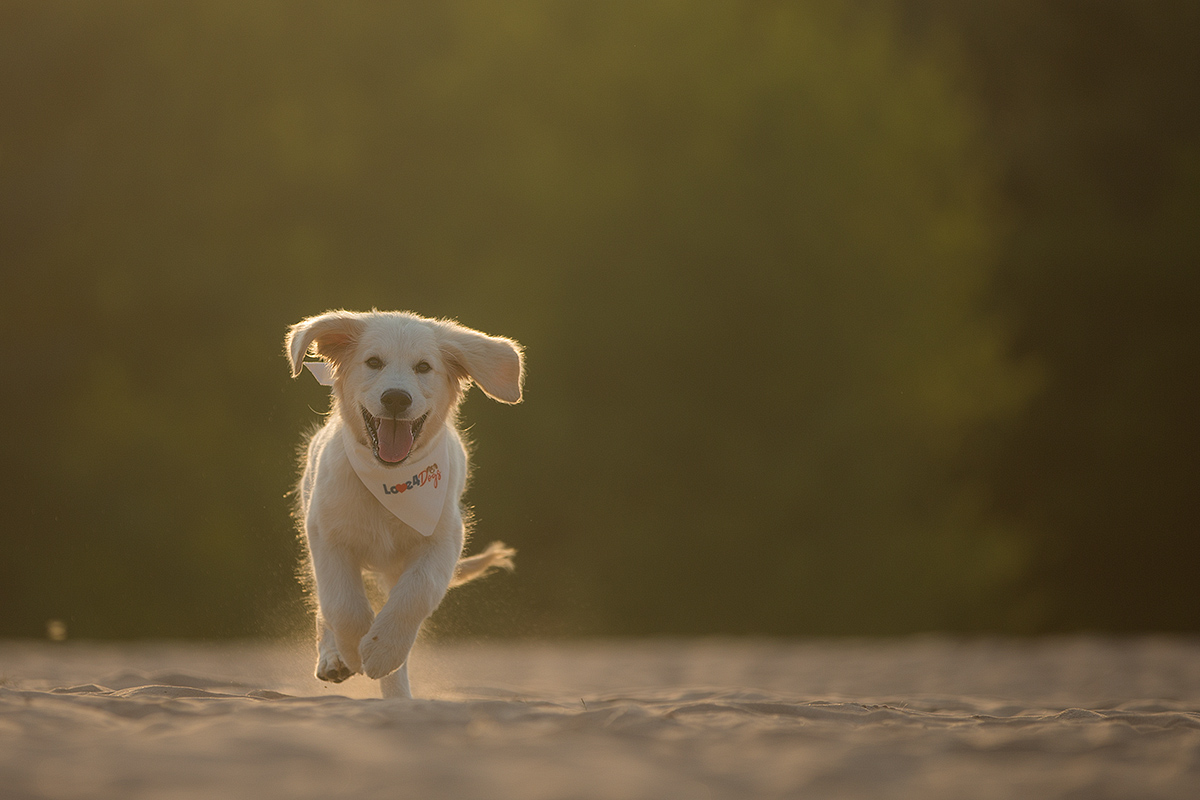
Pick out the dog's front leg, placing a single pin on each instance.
(344, 614)
(330, 666)
(413, 597)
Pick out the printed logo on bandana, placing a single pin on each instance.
(431, 474)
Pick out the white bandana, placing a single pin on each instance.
(320, 371)
(414, 492)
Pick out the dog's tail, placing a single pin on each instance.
(497, 554)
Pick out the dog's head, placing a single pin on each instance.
(397, 376)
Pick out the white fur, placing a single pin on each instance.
(348, 531)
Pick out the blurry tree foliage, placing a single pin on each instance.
(1095, 109)
(793, 338)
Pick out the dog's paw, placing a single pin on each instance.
(380, 655)
(346, 635)
(348, 656)
(331, 668)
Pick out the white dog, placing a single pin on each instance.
(383, 477)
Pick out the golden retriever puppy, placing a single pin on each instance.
(383, 478)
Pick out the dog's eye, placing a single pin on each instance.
(375, 362)
(422, 366)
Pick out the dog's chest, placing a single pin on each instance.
(378, 540)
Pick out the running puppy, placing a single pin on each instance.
(383, 477)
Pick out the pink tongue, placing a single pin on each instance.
(395, 439)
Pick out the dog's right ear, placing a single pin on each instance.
(330, 335)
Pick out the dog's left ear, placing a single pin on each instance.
(494, 363)
(332, 334)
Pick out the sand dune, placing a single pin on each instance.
(916, 718)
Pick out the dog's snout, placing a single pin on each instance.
(396, 401)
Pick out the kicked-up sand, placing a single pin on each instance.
(925, 717)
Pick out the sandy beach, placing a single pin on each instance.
(924, 717)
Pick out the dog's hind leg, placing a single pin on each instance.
(395, 684)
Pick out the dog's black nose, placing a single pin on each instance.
(396, 401)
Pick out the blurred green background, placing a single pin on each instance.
(841, 318)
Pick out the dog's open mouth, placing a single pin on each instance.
(392, 439)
